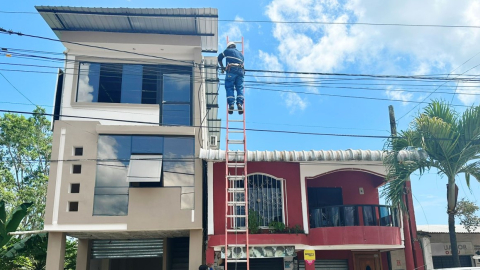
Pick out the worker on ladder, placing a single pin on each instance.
(234, 77)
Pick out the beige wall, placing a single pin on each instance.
(149, 208)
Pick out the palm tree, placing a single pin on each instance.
(442, 139)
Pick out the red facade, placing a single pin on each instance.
(358, 190)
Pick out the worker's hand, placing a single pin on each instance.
(223, 70)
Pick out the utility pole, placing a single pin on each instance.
(412, 257)
(393, 125)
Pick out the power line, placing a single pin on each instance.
(248, 129)
(9, 32)
(306, 22)
(20, 92)
(297, 92)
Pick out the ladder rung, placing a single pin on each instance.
(235, 203)
(235, 152)
(236, 216)
(236, 141)
(235, 177)
(236, 190)
(236, 164)
(236, 245)
(235, 131)
(235, 120)
(236, 230)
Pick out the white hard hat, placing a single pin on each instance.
(230, 44)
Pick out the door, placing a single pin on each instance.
(326, 265)
(367, 261)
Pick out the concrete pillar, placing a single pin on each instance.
(427, 252)
(195, 252)
(105, 264)
(56, 251)
(83, 254)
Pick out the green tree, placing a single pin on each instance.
(466, 214)
(446, 141)
(25, 147)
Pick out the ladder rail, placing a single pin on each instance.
(233, 187)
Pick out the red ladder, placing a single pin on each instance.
(236, 188)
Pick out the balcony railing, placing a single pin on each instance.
(354, 215)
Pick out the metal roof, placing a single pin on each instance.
(172, 21)
(312, 155)
(443, 229)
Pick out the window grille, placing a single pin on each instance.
(265, 197)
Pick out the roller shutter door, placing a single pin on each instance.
(260, 264)
(326, 265)
(117, 249)
(447, 261)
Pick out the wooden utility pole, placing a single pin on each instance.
(412, 246)
(393, 125)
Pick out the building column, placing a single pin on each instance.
(83, 254)
(195, 251)
(56, 251)
(427, 252)
(166, 254)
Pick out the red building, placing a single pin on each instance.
(326, 201)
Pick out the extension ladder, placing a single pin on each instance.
(236, 188)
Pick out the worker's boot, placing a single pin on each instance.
(240, 108)
(231, 108)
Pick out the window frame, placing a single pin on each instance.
(162, 70)
(283, 196)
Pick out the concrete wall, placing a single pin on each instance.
(165, 201)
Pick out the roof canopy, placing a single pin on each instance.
(201, 22)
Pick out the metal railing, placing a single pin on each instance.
(353, 215)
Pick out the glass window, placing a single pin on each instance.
(110, 205)
(110, 89)
(123, 159)
(168, 86)
(369, 215)
(264, 197)
(88, 82)
(144, 168)
(132, 84)
(147, 145)
(151, 84)
(176, 87)
(176, 114)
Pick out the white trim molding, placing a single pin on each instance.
(211, 226)
(85, 227)
(58, 180)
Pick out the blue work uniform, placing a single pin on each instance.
(234, 76)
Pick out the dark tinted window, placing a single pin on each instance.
(75, 188)
(76, 169)
(132, 84)
(110, 89)
(78, 151)
(168, 86)
(147, 145)
(73, 206)
(176, 114)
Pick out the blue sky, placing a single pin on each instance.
(315, 48)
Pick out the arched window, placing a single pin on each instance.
(265, 197)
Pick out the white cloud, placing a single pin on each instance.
(398, 94)
(234, 31)
(269, 61)
(294, 102)
(377, 49)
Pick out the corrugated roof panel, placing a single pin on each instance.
(179, 21)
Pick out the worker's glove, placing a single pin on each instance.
(223, 69)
